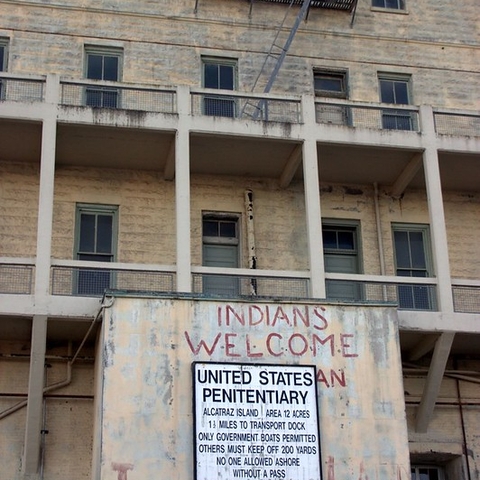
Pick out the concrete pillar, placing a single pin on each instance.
(312, 203)
(31, 455)
(182, 192)
(442, 268)
(45, 201)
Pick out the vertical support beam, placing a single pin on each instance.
(31, 455)
(312, 204)
(45, 200)
(182, 192)
(441, 265)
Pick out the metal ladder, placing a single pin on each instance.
(277, 53)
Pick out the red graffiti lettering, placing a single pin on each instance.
(230, 346)
(122, 469)
(346, 346)
(251, 354)
(202, 344)
(291, 344)
(269, 347)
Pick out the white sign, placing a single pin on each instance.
(256, 422)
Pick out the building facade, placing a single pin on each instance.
(244, 183)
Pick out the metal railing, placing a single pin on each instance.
(232, 104)
(118, 96)
(16, 279)
(466, 299)
(251, 286)
(457, 123)
(361, 115)
(92, 282)
(14, 88)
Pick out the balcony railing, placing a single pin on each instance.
(456, 123)
(117, 95)
(466, 298)
(17, 276)
(81, 279)
(363, 115)
(15, 88)
(232, 104)
(91, 279)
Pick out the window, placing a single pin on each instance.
(341, 255)
(3, 64)
(426, 473)
(332, 84)
(220, 249)
(393, 4)
(412, 259)
(219, 74)
(395, 89)
(102, 64)
(95, 240)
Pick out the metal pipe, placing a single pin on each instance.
(379, 237)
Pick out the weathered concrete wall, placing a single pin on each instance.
(149, 345)
(19, 186)
(435, 42)
(68, 416)
(453, 436)
(147, 216)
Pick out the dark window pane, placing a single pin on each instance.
(386, 91)
(226, 77)
(345, 240)
(329, 239)
(87, 233)
(402, 252)
(104, 233)
(2, 58)
(210, 228)
(417, 250)
(110, 68)
(211, 76)
(228, 230)
(94, 67)
(401, 93)
(330, 84)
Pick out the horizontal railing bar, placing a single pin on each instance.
(366, 105)
(238, 94)
(246, 272)
(134, 267)
(460, 282)
(381, 279)
(23, 77)
(456, 113)
(27, 262)
(117, 85)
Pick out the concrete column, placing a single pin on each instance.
(437, 215)
(182, 192)
(442, 268)
(312, 203)
(45, 201)
(31, 455)
(42, 280)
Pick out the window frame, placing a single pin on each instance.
(221, 105)
(4, 42)
(355, 227)
(99, 92)
(105, 274)
(401, 6)
(396, 119)
(342, 75)
(416, 467)
(424, 229)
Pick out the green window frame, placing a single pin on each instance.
(396, 89)
(3, 64)
(96, 232)
(342, 254)
(389, 4)
(413, 258)
(103, 64)
(219, 74)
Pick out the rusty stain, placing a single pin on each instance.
(331, 468)
(122, 469)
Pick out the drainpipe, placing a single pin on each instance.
(379, 237)
(252, 253)
(68, 378)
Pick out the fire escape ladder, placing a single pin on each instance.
(276, 55)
